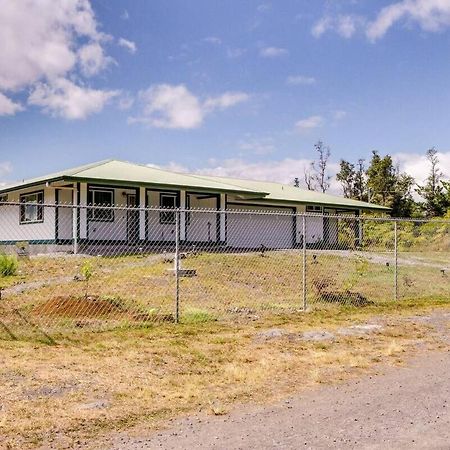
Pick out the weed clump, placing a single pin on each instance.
(8, 265)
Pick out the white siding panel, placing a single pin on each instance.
(314, 230)
(158, 231)
(202, 226)
(12, 230)
(246, 230)
(65, 221)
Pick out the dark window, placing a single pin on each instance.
(32, 211)
(167, 201)
(313, 208)
(3, 198)
(101, 197)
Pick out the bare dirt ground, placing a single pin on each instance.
(401, 407)
(394, 407)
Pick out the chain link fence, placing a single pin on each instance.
(66, 268)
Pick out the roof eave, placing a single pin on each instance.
(114, 182)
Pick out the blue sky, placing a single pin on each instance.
(241, 88)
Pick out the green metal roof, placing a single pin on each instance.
(126, 173)
(123, 173)
(292, 194)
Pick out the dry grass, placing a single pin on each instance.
(89, 386)
(237, 287)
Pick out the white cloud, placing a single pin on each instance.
(309, 123)
(125, 101)
(46, 42)
(8, 107)
(125, 15)
(5, 169)
(417, 165)
(213, 40)
(167, 106)
(65, 99)
(339, 114)
(285, 170)
(321, 26)
(174, 106)
(279, 171)
(233, 53)
(263, 7)
(430, 15)
(259, 147)
(300, 79)
(128, 45)
(93, 59)
(42, 39)
(225, 100)
(344, 25)
(273, 52)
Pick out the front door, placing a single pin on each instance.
(132, 219)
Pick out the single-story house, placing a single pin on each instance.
(42, 217)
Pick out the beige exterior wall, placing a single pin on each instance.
(12, 230)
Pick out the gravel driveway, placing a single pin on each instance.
(403, 407)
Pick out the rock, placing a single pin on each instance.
(317, 335)
(273, 333)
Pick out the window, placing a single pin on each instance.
(32, 210)
(101, 197)
(3, 198)
(167, 201)
(313, 208)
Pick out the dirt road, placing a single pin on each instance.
(402, 407)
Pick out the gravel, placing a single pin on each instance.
(402, 408)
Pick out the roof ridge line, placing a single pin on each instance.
(189, 174)
(231, 184)
(90, 166)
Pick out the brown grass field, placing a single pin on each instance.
(92, 360)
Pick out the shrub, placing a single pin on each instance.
(87, 271)
(8, 265)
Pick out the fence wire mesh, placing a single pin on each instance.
(66, 268)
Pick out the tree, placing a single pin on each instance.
(346, 176)
(360, 184)
(435, 201)
(403, 204)
(316, 176)
(446, 186)
(353, 180)
(388, 187)
(321, 176)
(308, 177)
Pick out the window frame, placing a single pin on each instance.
(314, 209)
(168, 217)
(39, 207)
(105, 215)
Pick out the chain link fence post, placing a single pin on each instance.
(395, 261)
(305, 304)
(75, 215)
(177, 265)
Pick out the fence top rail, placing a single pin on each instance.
(229, 211)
